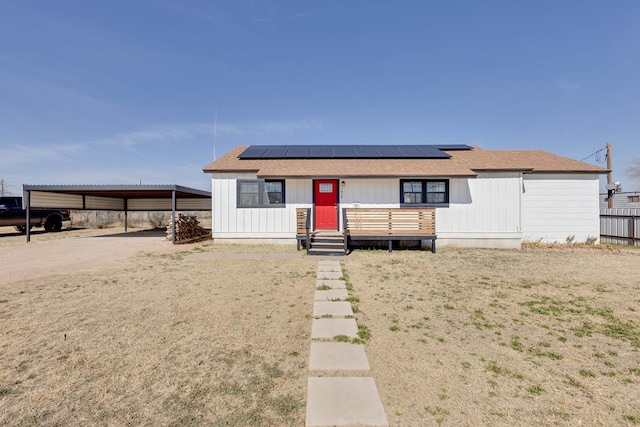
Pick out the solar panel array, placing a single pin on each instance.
(350, 151)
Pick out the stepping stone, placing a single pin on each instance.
(334, 308)
(327, 262)
(344, 401)
(328, 267)
(338, 356)
(329, 328)
(332, 283)
(329, 275)
(331, 295)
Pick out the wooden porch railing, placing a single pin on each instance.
(303, 226)
(389, 224)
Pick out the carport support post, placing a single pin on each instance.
(173, 216)
(27, 202)
(126, 215)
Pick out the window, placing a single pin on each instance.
(633, 199)
(275, 192)
(424, 191)
(326, 188)
(259, 193)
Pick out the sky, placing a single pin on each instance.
(150, 91)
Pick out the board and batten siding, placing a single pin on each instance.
(557, 206)
(493, 209)
(231, 222)
(484, 211)
(370, 193)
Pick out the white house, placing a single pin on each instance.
(482, 198)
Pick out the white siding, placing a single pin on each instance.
(276, 223)
(369, 193)
(489, 203)
(482, 208)
(556, 206)
(492, 209)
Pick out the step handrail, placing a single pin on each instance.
(307, 226)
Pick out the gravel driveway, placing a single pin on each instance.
(22, 260)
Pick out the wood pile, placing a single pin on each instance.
(187, 229)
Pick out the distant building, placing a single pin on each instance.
(623, 200)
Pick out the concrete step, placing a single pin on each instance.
(326, 252)
(337, 246)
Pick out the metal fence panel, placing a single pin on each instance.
(620, 226)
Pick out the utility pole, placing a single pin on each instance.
(3, 187)
(610, 190)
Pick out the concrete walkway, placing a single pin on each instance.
(345, 396)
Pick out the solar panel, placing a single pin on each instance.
(350, 151)
(431, 152)
(253, 152)
(410, 152)
(343, 152)
(319, 151)
(298, 152)
(275, 152)
(387, 151)
(453, 147)
(366, 152)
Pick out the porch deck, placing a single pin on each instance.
(386, 224)
(389, 224)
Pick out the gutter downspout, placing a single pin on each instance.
(522, 191)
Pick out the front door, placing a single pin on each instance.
(325, 192)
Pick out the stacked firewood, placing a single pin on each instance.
(187, 228)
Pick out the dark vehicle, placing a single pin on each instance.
(11, 213)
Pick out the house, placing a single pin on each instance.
(623, 199)
(482, 198)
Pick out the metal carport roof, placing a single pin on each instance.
(116, 197)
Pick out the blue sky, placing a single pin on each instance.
(123, 92)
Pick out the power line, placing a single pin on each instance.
(598, 155)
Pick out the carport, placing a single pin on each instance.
(125, 198)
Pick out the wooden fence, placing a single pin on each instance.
(620, 226)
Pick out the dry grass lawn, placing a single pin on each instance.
(462, 337)
(162, 340)
(501, 337)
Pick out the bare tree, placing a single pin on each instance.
(4, 187)
(634, 170)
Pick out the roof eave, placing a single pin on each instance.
(569, 171)
(230, 170)
(367, 176)
(525, 170)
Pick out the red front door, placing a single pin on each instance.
(326, 200)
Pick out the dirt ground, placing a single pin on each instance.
(141, 332)
(72, 250)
